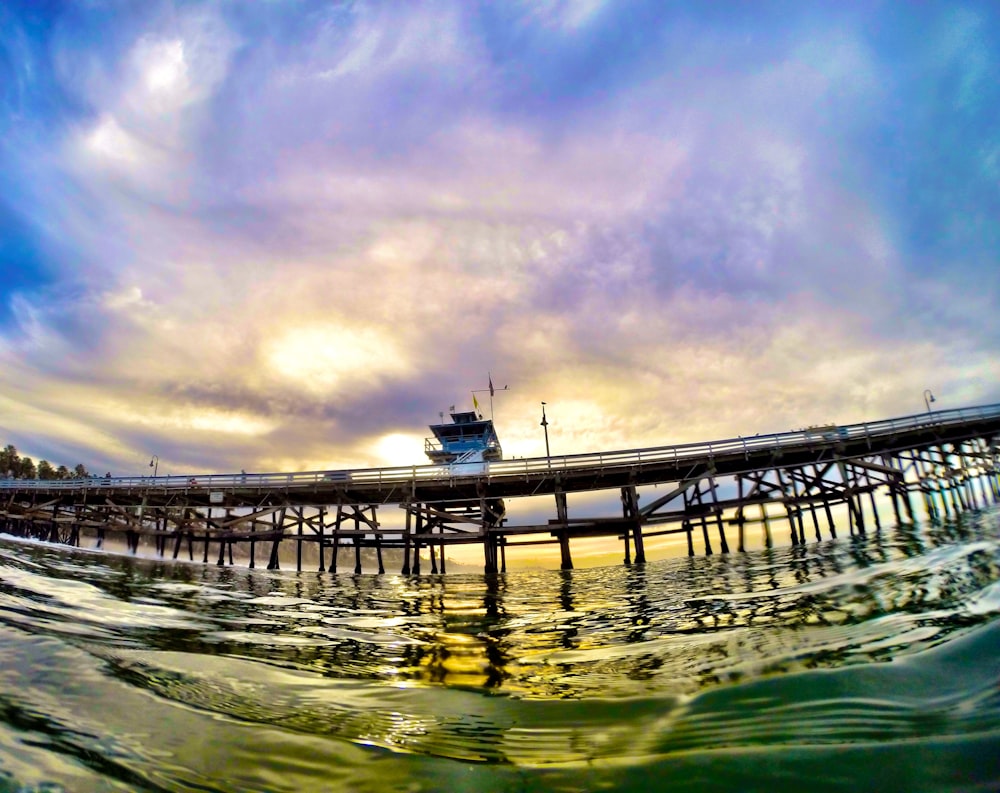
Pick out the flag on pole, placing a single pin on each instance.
(475, 402)
(491, 384)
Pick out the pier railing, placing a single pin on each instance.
(813, 437)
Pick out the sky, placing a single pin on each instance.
(288, 235)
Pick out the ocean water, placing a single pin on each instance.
(848, 665)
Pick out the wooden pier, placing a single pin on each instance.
(939, 464)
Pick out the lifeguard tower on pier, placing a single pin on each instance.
(464, 444)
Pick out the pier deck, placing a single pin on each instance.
(948, 458)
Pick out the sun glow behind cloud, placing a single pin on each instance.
(333, 359)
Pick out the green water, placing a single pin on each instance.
(849, 665)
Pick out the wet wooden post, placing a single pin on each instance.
(860, 513)
(893, 485)
(896, 490)
(253, 542)
(868, 486)
(629, 514)
(278, 522)
(489, 546)
(630, 509)
(689, 501)
(376, 535)
(158, 539)
(960, 479)
(875, 517)
(797, 504)
(957, 479)
(335, 551)
(703, 520)
(178, 533)
(992, 469)
(739, 515)
(855, 518)
(930, 510)
(993, 476)
(788, 505)
(983, 478)
(406, 539)
(826, 495)
(908, 502)
(357, 539)
(944, 492)
(566, 560)
(766, 520)
(502, 543)
(160, 521)
(968, 476)
(947, 482)
(321, 518)
(416, 542)
(204, 557)
(977, 456)
(489, 562)
(717, 511)
(225, 543)
(800, 476)
(562, 513)
(938, 506)
(222, 542)
(299, 528)
(74, 535)
(815, 519)
(930, 482)
(937, 492)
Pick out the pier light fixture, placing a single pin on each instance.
(545, 426)
(154, 463)
(928, 399)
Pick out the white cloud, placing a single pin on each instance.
(268, 259)
(568, 15)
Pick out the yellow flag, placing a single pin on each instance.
(475, 402)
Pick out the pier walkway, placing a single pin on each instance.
(948, 459)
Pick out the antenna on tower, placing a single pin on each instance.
(492, 390)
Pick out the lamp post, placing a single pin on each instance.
(928, 399)
(154, 463)
(545, 426)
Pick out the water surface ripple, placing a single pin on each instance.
(860, 663)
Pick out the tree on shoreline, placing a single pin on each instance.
(13, 466)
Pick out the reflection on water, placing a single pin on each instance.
(131, 674)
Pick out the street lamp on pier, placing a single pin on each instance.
(928, 399)
(545, 426)
(154, 463)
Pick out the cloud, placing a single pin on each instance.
(289, 236)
